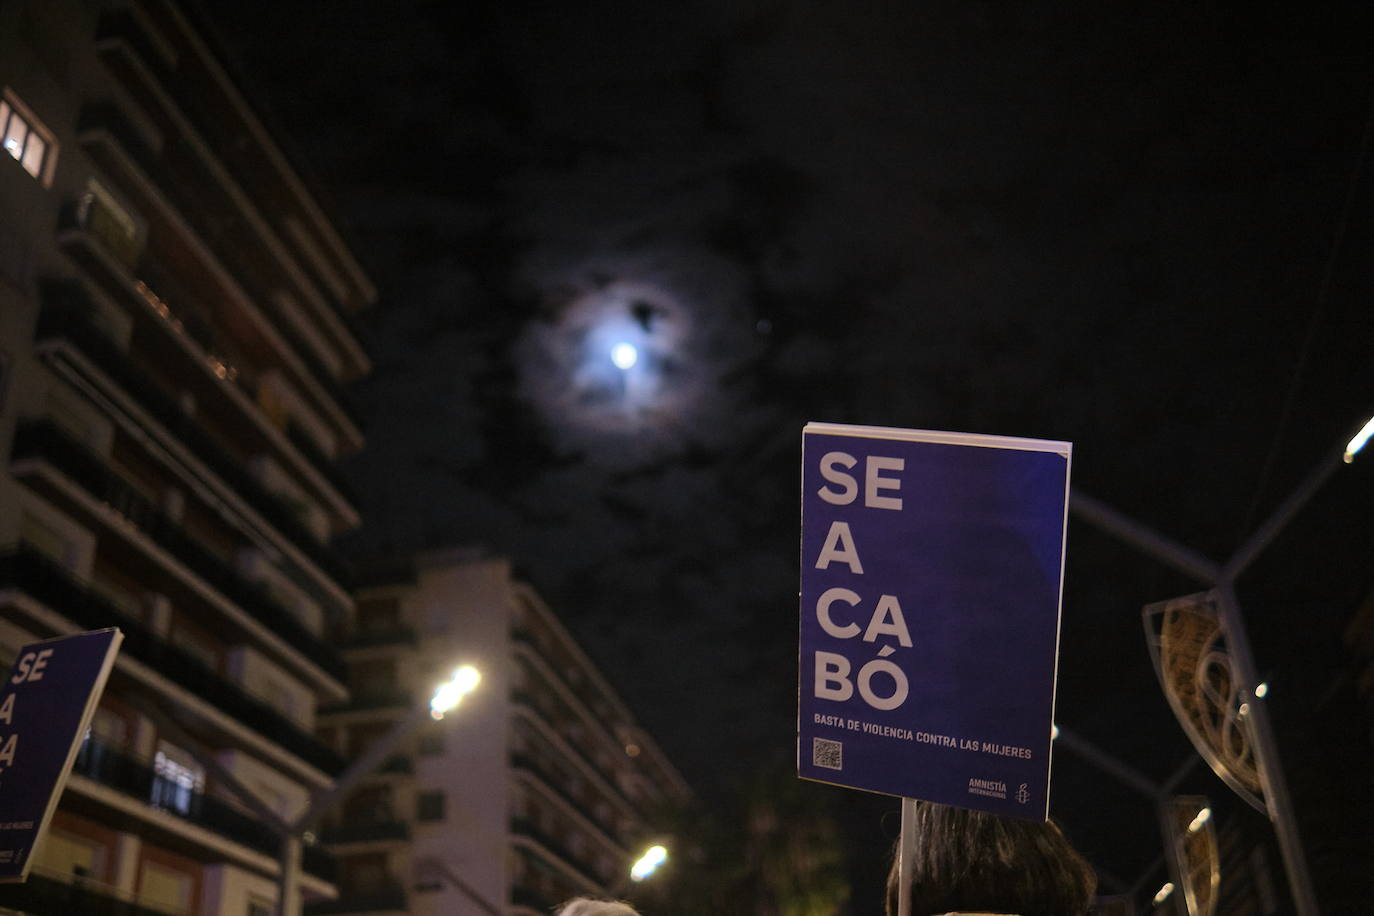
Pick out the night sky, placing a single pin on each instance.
(1145, 231)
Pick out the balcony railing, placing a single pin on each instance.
(186, 196)
(371, 639)
(523, 826)
(44, 896)
(392, 896)
(320, 462)
(365, 699)
(367, 831)
(176, 301)
(113, 768)
(554, 713)
(521, 895)
(531, 764)
(42, 439)
(64, 321)
(557, 701)
(217, 133)
(40, 578)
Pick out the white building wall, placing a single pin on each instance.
(462, 614)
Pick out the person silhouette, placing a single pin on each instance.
(973, 862)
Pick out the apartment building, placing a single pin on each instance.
(175, 326)
(540, 787)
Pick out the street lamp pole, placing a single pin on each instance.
(445, 699)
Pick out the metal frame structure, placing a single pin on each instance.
(1222, 578)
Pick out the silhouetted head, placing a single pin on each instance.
(587, 906)
(973, 862)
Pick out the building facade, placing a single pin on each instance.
(175, 316)
(538, 788)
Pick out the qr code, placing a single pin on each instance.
(828, 754)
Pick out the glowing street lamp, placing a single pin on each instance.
(1352, 448)
(451, 692)
(446, 698)
(648, 863)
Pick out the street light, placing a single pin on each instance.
(1202, 818)
(446, 697)
(648, 863)
(1352, 448)
(450, 693)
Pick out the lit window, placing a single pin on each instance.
(177, 779)
(25, 139)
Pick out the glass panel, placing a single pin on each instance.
(14, 136)
(178, 779)
(33, 155)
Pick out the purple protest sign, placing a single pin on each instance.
(931, 575)
(45, 707)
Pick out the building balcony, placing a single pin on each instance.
(62, 323)
(113, 768)
(126, 774)
(380, 830)
(369, 699)
(107, 134)
(526, 828)
(529, 764)
(374, 639)
(43, 895)
(546, 718)
(120, 30)
(105, 257)
(321, 462)
(528, 897)
(388, 899)
(42, 580)
(42, 441)
(558, 699)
